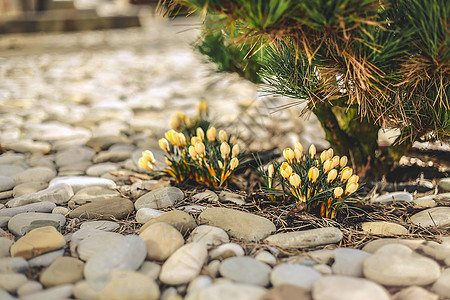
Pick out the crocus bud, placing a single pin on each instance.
(235, 150)
(353, 178)
(327, 165)
(330, 153)
(211, 134)
(312, 150)
(225, 150)
(285, 170)
(201, 134)
(170, 135)
(164, 145)
(234, 163)
(182, 139)
(192, 152)
(233, 140)
(313, 174)
(294, 180)
(220, 164)
(332, 175)
(168, 162)
(323, 156)
(298, 155)
(200, 149)
(195, 140)
(351, 188)
(148, 155)
(346, 173)
(189, 122)
(338, 192)
(335, 161)
(223, 136)
(270, 171)
(145, 164)
(343, 161)
(289, 155)
(299, 146)
(202, 107)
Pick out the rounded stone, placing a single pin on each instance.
(442, 285)
(184, 264)
(444, 184)
(207, 195)
(22, 223)
(398, 265)
(150, 269)
(162, 240)
(415, 293)
(209, 235)
(63, 270)
(46, 259)
(347, 288)
(113, 208)
(432, 217)
(373, 246)
(101, 225)
(79, 182)
(228, 290)
(94, 193)
(349, 262)
(44, 207)
(100, 169)
(43, 174)
(384, 228)
(226, 250)
(127, 253)
(38, 241)
(60, 210)
(118, 285)
(287, 292)
(245, 269)
(58, 194)
(11, 281)
(63, 291)
(95, 243)
(200, 282)
(306, 238)
(29, 287)
(393, 197)
(29, 188)
(266, 257)
(237, 224)
(182, 221)
(145, 214)
(295, 274)
(73, 156)
(160, 198)
(6, 183)
(13, 264)
(5, 244)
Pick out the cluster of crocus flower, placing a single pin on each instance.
(324, 184)
(208, 158)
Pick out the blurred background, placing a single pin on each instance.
(119, 68)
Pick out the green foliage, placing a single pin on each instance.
(209, 159)
(323, 185)
(229, 57)
(385, 62)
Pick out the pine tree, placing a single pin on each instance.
(359, 64)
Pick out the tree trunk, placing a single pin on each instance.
(358, 139)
